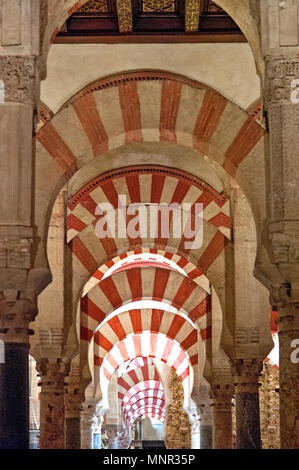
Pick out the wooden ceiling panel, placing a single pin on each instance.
(148, 21)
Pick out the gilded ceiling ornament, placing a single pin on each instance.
(158, 5)
(192, 15)
(98, 6)
(125, 20)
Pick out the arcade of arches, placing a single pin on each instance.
(117, 341)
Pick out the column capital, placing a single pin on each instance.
(246, 375)
(280, 71)
(74, 397)
(15, 315)
(222, 394)
(53, 372)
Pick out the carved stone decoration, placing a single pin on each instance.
(125, 19)
(281, 103)
(94, 6)
(250, 335)
(192, 15)
(19, 76)
(178, 427)
(15, 315)
(222, 394)
(15, 247)
(124, 438)
(269, 407)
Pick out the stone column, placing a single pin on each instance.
(288, 322)
(246, 377)
(15, 315)
(280, 41)
(86, 418)
(222, 416)
(74, 397)
(52, 408)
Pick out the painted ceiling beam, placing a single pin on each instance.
(192, 12)
(125, 16)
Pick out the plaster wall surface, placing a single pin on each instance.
(229, 68)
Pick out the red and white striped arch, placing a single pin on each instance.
(148, 185)
(134, 324)
(130, 410)
(152, 344)
(90, 252)
(136, 284)
(150, 257)
(133, 377)
(143, 388)
(148, 107)
(150, 393)
(146, 409)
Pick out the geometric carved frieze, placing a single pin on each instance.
(19, 76)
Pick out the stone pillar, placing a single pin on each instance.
(74, 397)
(52, 407)
(86, 418)
(195, 432)
(280, 41)
(288, 322)
(194, 418)
(222, 416)
(112, 437)
(246, 377)
(15, 315)
(97, 431)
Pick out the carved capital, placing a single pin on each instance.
(222, 394)
(18, 73)
(53, 372)
(280, 73)
(74, 397)
(280, 295)
(246, 375)
(288, 317)
(16, 313)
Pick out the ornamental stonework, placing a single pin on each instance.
(178, 427)
(18, 75)
(281, 71)
(269, 407)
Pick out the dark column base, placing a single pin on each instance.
(72, 433)
(206, 437)
(248, 421)
(14, 397)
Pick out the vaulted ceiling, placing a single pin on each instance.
(150, 21)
